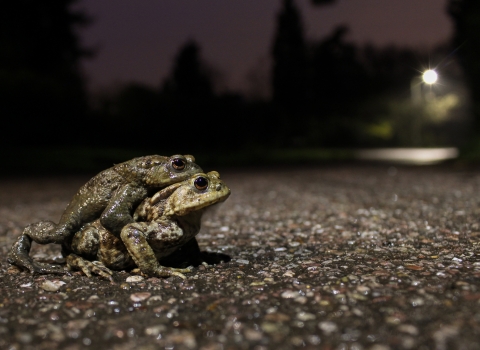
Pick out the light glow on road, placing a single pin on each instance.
(408, 155)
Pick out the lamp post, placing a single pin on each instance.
(428, 77)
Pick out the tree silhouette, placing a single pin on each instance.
(190, 78)
(40, 80)
(337, 74)
(322, 2)
(289, 58)
(466, 18)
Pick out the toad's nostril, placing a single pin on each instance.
(219, 187)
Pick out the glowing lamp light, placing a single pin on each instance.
(430, 76)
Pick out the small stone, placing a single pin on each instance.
(125, 285)
(392, 320)
(134, 279)
(296, 341)
(358, 296)
(314, 339)
(357, 312)
(443, 334)
(328, 327)
(77, 324)
(408, 328)
(379, 347)
(185, 338)
(301, 300)
(417, 301)
(363, 289)
(270, 327)
(252, 335)
(289, 294)
(24, 337)
(257, 283)
(154, 299)
(52, 286)
(13, 270)
(155, 330)
(305, 316)
(137, 297)
(277, 317)
(243, 261)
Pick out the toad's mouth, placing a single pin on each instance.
(198, 206)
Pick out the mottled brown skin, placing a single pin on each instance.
(165, 224)
(111, 196)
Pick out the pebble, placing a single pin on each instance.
(408, 328)
(289, 294)
(243, 261)
(52, 286)
(134, 279)
(252, 335)
(305, 316)
(270, 327)
(155, 330)
(137, 297)
(154, 299)
(185, 338)
(328, 327)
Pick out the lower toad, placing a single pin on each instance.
(165, 224)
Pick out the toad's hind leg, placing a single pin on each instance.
(19, 256)
(88, 267)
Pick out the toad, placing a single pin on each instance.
(111, 196)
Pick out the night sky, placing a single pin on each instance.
(138, 40)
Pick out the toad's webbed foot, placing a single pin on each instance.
(18, 256)
(88, 267)
(165, 272)
(170, 271)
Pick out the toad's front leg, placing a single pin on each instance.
(134, 236)
(118, 212)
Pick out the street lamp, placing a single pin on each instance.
(430, 77)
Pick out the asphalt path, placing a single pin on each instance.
(332, 257)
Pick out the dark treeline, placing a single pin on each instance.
(42, 93)
(466, 41)
(324, 93)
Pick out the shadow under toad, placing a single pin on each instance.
(190, 255)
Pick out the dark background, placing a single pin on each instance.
(323, 96)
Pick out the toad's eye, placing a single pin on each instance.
(201, 183)
(178, 164)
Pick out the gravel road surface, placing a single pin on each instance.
(338, 257)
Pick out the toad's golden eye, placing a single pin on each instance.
(178, 164)
(201, 183)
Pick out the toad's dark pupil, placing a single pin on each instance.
(201, 183)
(178, 164)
